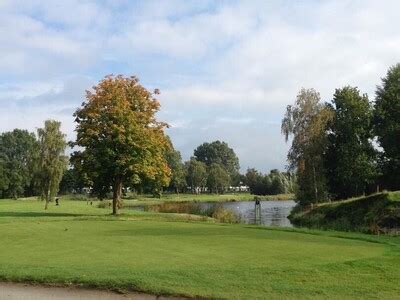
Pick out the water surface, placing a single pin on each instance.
(273, 213)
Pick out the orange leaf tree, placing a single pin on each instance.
(122, 142)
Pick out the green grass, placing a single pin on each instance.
(377, 213)
(77, 243)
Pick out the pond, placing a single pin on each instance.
(273, 213)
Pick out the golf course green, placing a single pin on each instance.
(170, 254)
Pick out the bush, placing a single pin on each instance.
(176, 207)
(225, 216)
(215, 210)
(104, 204)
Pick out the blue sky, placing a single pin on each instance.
(226, 69)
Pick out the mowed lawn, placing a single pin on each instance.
(170, 254)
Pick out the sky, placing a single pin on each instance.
(226, 69)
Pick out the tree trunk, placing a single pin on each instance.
(117, 189)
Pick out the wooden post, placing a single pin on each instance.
(257, 212)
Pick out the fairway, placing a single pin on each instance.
(77, 243)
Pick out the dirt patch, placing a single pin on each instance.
(20, 291)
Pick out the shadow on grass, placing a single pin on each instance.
(36, 214)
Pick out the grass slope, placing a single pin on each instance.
(76, 243)
(373, 214)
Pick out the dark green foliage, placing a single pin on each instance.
(387, 126)
(377, 213)
(196, 175)
(270, 184)
(350, 160)
(73, 181)
(218, 179)
(3, 177)
(238, 179)
(178, 171)
(220, 153)
(18, 156)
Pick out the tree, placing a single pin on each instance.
(18, 155)
(277, 184)
(3, 177)
(123, 143)
(269, 184)
(350, 158)
(252, 178)
(257, 182)
(306, 122)
(220, 153)
(178, 174)
(52, 161)
(218, 178)
(196, 174)
(387, 125)
(73, 181)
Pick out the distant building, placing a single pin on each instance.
(240, 188)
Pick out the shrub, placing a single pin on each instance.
(214, 210)
(225, 216)
(104, 204)
(176, 207)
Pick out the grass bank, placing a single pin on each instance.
(378, 213)
(77, 243)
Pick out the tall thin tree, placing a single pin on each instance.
(52, 159)
(306, 122)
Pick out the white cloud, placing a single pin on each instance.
(190, 37)
(29, 90)
(226, 69)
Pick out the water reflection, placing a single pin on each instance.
(273, 213)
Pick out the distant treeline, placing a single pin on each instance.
(270, 184)
(120, 146)
(32, 164)
(348, 146)
(213, 168)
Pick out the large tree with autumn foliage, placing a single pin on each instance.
(122, 142)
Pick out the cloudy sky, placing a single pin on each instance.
(226, 69)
